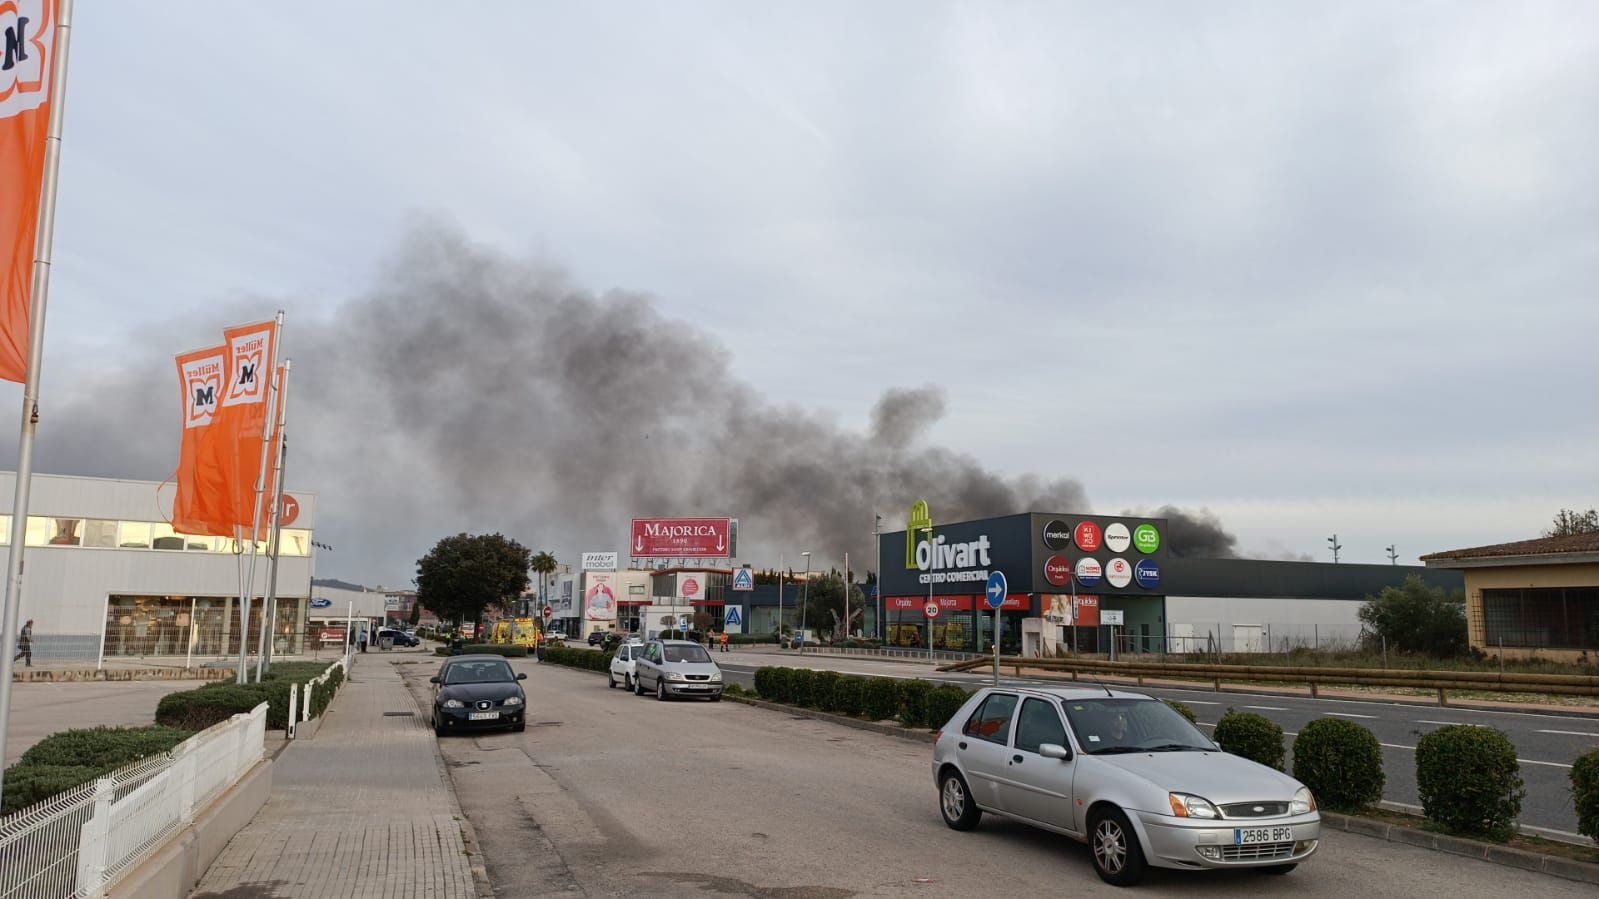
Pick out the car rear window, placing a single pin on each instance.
(991, 721)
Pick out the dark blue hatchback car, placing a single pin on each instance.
(478, 692)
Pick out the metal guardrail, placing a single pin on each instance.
(1314, 677)
(77, 844)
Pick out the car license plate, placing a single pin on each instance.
(482, 716)
(1245, 836)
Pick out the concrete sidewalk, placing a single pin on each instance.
(363, 809)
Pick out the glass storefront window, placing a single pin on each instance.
(99, 532)
(134, 534)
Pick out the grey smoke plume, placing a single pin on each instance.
(469, 391)
(1198, 535)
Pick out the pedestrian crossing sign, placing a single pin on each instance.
(743, 579)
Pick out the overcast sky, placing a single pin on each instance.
(1318, 268)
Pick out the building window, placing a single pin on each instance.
(54, 531)
(134, 535)
(1542, 617)
(99, 532)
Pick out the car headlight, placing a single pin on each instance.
(512, 700)
(454, 704)
(1184, 805)
(716, 675)
(1303, 802)
(673, 675)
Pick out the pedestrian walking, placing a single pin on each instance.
(361, 639)
(25, 644)
(724, 641)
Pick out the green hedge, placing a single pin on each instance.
(913, 702)
(508, 650)
(212, 704)
(768, 686)
(1585, 793)
(880, 699)
(1183, 710)
(822, 686)
(67, 759)
(1254, 737)
(916, 703)
(942, 704)
(849, 695)
(802, 687)
(1341, 762)
(1469, 780)
(322, 694)
(587, 659)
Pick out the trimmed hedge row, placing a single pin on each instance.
(71, 758)
(1341, 763)
(508, 650)
(915, 703)
(216, 702)
(1585, 793)
(590, 659)
(1255, 737)
(1469, 780)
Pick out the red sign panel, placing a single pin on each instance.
(697, 538)
(1014, 602)
(1088, 536)
(902, 603)
(1087, 611)
(1057, 571)
(931, 610)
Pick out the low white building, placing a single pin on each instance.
(105, 573)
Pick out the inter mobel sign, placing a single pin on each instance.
(599, 561)
(691, 538)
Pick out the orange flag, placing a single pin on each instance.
(195, 507)
(229, 456)
(27, 50)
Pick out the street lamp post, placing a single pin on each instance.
(929, 532)
(877, 585)
(780, 600)
(805, 599)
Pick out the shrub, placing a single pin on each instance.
(913, 702)
(29, 784)
(823, 683)
(1469, 780)
(801, 686)
(212, 704)
(588, 659)
(942, 704)
(1254, 737)
(1183, 710)
(849, 694)
(294, 672)
(1585, 793)
(1340, 762)
(733, 690)
(880, 698)
(766, 682)
(322, 694)
(103, 747)
(498, 649)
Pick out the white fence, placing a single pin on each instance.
(75, 844)
(300, 701)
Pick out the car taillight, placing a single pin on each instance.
(937, 734)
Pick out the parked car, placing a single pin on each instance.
(596, 638)
(476, 692)
(400, 638)
(676, 668)
(623, 663)
(1123, 773)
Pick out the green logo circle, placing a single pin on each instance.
(1146, 538)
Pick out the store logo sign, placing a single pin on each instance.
(1057, 535)
(919, 521)
(1146, 538)
(1147, 573)
(1088, 572)
(1117, 537)
(1087, 535)
(1057, 571)
(1119, 573)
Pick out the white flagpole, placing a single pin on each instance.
(39, 293)
(269, 610)
(247, 593)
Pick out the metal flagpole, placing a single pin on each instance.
(846, 596)
(779, 600)
(269, 611)
(38, 294)
(247, 593)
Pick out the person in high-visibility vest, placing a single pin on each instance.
(724, 641)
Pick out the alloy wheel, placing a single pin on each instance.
(1110, 846)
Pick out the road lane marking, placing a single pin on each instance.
(1200, 702)
(1267, 708)
(1289, 733)
(1569, 733)
(1349, 715)
(1449, 723)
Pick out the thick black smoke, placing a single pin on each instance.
(1197, 535)
(468, 391)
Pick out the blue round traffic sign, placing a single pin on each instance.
(994, 593)
(1147, 573)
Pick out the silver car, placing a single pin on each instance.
(1124, 773)
(676, 668)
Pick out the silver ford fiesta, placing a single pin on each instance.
(1124, 773)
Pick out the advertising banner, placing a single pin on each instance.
(689, 538)
(599, 596)
(599, 561)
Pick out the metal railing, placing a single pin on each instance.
(77, 844)
(300, 701)
(1313, 676)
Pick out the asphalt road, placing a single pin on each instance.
(1546, 742)
(611, 794)
(41, 708)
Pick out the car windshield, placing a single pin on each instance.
(1114, 725)
(484, 671)
(687, 653)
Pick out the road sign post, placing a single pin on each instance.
(931, 611)
(994, 594)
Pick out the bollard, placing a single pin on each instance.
(1442, 700)
(1313, 691)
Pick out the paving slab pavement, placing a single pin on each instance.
(362, 809)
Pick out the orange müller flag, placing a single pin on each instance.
(230, 449)
(27, 50)
(196, 503)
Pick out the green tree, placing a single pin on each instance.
(1569, 521)
(823, 608)
(416, 612)
(1417, 618)
(544, 563)
(461, 576)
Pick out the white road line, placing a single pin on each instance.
(1549, 764)
(1349, 715)
(1199, 702)
(1569, 733)
(1267, 708)
(1449, 723)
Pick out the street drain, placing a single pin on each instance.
(399, 714)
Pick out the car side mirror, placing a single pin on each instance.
(434, 679)
(1055, 751)
(521, 675)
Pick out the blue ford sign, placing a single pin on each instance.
(1147, 573)
(321, 602)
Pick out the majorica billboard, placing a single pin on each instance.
(1039, 553)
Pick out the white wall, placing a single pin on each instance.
(368, 603)
(1299, 621)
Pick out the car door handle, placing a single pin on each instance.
(963, 745)
(1016, 758)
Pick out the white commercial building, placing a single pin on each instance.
(104, 573)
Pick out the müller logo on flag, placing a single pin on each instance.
(203, 380)
(250, 348)
(27, 31)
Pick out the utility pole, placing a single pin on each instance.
(1393, 557)
(877, 585)
(1336, 546)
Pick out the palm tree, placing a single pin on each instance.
(544, 563)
